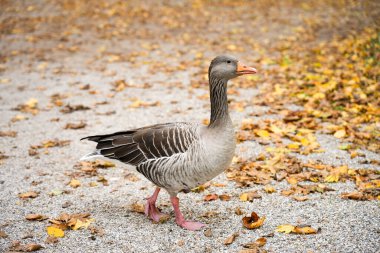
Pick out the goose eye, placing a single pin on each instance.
(228, 61)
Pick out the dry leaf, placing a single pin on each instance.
(8, 134)
(3, 234)
(253, 222)
(75, 125)
(261, 241)
(224, 197)
(304, 230)
(269, 189)
(249, 196)
(286, 228)
(55, 231)
(74, 183)
(300, 198)
(340, 133)
(211, 197)
(30, 194)
(38, 217)
(208, 232)
(137, 208)
(231, 239)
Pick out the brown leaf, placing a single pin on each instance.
(231, 239)
(300, 198)
(304, 230)
(75, 125)
(238, 211)
(29, 194)
(354, 196)
(211, 197)
(8, 134)
(137, 208)
(250, 196)
(261, 241)
(38, 217)
(72, 108)
(258, 243)
(208, 232)
(254, 221)
(3, 234)
(16, 246)
(32, 247)
(224, 197)
(51, 240)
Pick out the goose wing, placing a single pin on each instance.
(152, 142)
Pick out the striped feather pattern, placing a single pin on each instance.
(140, 145)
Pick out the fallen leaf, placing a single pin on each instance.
(38, 217)
(286, 228)
(74, 183)
(55, 232)
(137, 208)
(72, 108)
(30, 194)
(75, 125)
(261, 241)
(224, 197)
(82, 223)
(211, 197)
(231, 239)
(254, 221)
(249, 196)
(332, 178)
(8, 134)
(304, 230)
(300, 198)
(3, 234)
(269, 189)
(340, 133)
(238, 211)
(51, 239)
(208, 232)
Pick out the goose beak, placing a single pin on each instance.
(243, 69)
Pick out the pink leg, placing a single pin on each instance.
(150, 208)
(180, 220)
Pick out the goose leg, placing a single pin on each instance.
(150, 208)
(180, 220)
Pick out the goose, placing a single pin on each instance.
(180, 156)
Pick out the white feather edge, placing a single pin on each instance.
(96, 155)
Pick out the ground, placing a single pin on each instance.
(113, 65)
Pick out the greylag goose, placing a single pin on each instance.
(180, 156)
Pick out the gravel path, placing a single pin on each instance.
(52, 65)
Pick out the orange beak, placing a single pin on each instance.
(243, 69)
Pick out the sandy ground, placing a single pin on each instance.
(345, 226)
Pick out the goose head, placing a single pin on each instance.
(226, 67)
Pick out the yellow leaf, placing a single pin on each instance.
(244, 197)
(262, 133)
(269, 189)
(292, 180)
(340, 133)
(332, 178)
(82, 224)
(294, 145)
(305, 142)
(74, 183)
(286, 228)
(56, 232)
(32, 103)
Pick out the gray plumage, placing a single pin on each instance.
(180, 156)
